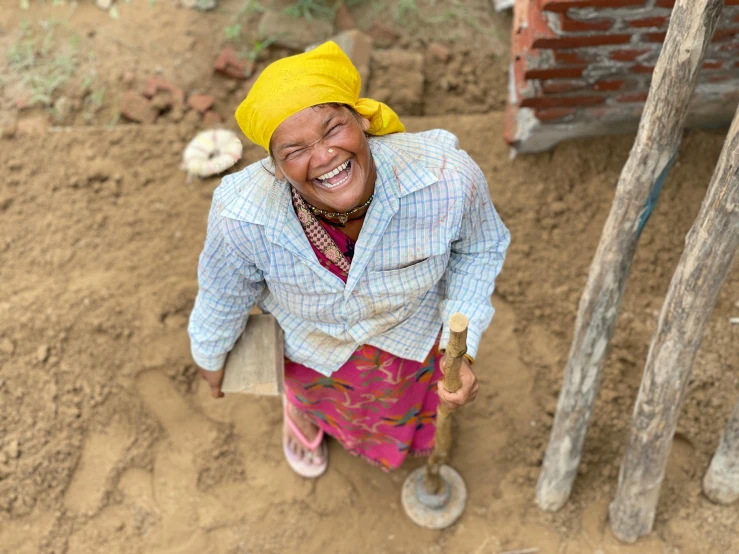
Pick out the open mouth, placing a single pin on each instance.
(336, 177)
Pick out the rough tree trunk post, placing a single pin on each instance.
(721, 483)
(704, 265)
(657, 140)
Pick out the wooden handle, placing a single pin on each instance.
(455, 351)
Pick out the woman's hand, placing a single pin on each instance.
(467, 393)
(214, 380)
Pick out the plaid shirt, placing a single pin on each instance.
(431, 245)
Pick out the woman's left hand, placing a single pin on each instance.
(467, 393)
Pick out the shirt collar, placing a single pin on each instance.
(254, 195)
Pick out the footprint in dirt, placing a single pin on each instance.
(183, 508)
(102, 453)
(186, 428)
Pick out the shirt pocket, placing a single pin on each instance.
(298, 288)
(400, 291)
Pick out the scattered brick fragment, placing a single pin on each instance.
(212, 118)
(157, 84)
(137, 108)
(201, 102)
(228, 63)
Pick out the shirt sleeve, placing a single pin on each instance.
(476, 260)
(229, 287)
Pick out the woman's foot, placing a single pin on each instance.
(305, 450)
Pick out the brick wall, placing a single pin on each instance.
(583, 68)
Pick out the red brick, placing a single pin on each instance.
(555, 73)
(569, 58)
(201, 102)
(212, 118)
(720, 78)
(665, 3)
(137, 108)
(656, 37)
(509, 124)
(713, 64)
(722, 35)
(609, 84)
(536, 26)
(157, 84)
(569, 25)
(551, 114)
(561, 86)
(561, 101)
(229, 63)
(580, 42)
(729, 47)
(736, 19)
(636, 97)
(639, 68)
(564, 5)
(649, 22)
(626, 55)
(731, 2)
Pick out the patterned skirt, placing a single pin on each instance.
(378, 406)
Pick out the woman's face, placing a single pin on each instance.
(323, 152)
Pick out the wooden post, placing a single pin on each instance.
(709, 250)
(455, 351)
(721, 483)
(657, 140)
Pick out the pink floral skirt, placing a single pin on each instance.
(378, 406)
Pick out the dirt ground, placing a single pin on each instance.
(108, 443)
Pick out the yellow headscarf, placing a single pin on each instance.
(292, 84)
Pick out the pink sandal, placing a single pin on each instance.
(304, 467)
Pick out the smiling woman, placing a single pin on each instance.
(362, 243)
(324, 153)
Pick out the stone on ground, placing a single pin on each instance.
(291, 32)
(398, 80)
(137, 108)
(358, 46)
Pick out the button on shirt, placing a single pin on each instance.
(431, 244)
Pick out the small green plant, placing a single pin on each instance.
(114, 120)
(93, 103)
(40, 63)
(250, 6)
(257, 48)
(313, 9)
(406, 10)
(232, 32)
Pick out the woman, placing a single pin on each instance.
(361, 240)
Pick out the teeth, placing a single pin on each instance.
(334, 171)
(328, 185)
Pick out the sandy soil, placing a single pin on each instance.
(108, 443)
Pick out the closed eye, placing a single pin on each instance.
(292, 154)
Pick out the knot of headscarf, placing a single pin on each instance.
(323, 75)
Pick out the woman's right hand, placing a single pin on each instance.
(214, 380)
